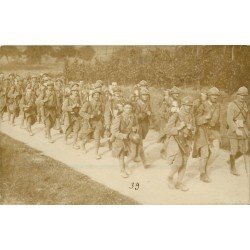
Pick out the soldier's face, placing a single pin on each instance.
(175, 96)
(28, 92)
(213, 98)
(187, 108)
(241, 98)
(50, 87)
(144, 97)
(74, 93)
(1, 76)
(96, 96)
(127, 109)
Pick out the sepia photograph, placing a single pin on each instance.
(124, 125)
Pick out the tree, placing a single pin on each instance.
(86, 52)
(35, 53)
(9, 51)
(64, 52)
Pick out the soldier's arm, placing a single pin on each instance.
(138, 111)
(200, 116)
(21, 104)
(230, 116)
(84, 111)
(66, 107)
(115, 128)
(171, 128)
(107, 115)
(39, 100)
(10, 94)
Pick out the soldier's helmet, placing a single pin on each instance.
(97, 84)
(59, 80)
(50, 83)
(74, 87)
(175, 90)
(187, 101)
(242, 91)
(213, 91)
(116, 89)
(94, 91)
(135, 138)
(114, 84)
(45, 78)
(143, 83)
(144, 91)
(100, 82)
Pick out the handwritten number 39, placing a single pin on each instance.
(134, 185)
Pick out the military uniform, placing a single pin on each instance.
(28, 106)
(127, 141)
(92, 114)
(207, 119)
(143, 112)
(49, 103)
(168, 107)
(113, 108)
(72, 120)
(238, 133)
(2, 100)
(13, 98)
(179, 130)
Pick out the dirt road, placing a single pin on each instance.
(224, 189)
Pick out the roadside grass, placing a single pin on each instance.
(29, 177)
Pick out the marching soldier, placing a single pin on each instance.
(127, 141)
(92, 114)
(2, 100)
(59, 93)
(143, 111)
(207, 117)
(237, 127)
(28, 107)
(49, 103)
(179, 131)
(113, 108)
(170, 105)
(72, 120)
(136, 92)
(111, 89)
(40, 92)
(14, 96)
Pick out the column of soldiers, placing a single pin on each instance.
(188, 128)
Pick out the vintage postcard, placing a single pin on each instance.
(124, 124)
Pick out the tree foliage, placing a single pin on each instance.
(9, 51)
(226, 67)
(35, 53)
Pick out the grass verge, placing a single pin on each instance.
(28, 177)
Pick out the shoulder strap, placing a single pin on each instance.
(240, 111)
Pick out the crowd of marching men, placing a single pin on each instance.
(93, 111)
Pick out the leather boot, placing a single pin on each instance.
(203, 171)
(232, 166)
(97, 146)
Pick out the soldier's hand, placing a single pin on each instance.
(239, 132)
(91, 116)
(148, 113)
(189, 126)
(134, 129)
(208, 116)
(107, 127)
(125, 136)
(181, 126)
